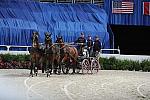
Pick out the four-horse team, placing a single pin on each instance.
(59, 56)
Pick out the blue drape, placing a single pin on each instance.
(19, 18)
(137, 18)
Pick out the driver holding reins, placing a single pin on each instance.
(81, 41)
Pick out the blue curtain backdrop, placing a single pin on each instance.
(19, 18)
(137, 18)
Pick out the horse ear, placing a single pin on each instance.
(61, 37)
(56, 36)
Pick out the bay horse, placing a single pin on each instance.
(35, 54)
(70, 59)
(68, 56)
(48, 54)
(58, 55)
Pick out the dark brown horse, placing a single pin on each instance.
(48, 54)
(35, 54)
(68, 56)
(70, 59)
(58, 54)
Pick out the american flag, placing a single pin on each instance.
(122, 6)
(146, 8)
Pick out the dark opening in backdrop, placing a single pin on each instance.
(132, 40)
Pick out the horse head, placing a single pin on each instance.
(48, 40)
(59, 39)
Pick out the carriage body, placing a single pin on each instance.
(88, 64)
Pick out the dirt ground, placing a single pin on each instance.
(15, 84)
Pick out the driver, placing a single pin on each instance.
(81, 44)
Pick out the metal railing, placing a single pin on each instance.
(25, 49)
(99, 2)
(118, 50)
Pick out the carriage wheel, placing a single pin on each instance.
(95, 66)
(85, 66)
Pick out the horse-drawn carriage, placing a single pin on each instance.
(61, 57)
(85, 64)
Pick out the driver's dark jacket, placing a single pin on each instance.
(96, 46)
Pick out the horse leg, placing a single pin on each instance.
(36, 67)
(55, 67)
(59, 69)
(74, 67)
(47, 67)
(50, 68)
(67, 67)
(31, 69)
(42, 65)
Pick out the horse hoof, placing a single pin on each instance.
(72, 73)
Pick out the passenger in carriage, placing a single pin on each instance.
(96, 46)
(81, 41)
(89, 44)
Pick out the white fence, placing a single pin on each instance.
(118, 55)
(123, 57)
(9, 51)
(26, 51)
(118, 50)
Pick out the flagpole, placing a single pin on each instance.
(112, 7)
(149, 9)
(143, 8)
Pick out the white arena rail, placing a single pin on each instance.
(101, 54)
(118, 50)
(124, 57)
(8, 51)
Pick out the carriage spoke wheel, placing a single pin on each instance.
(95, 66)
(85, 66)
